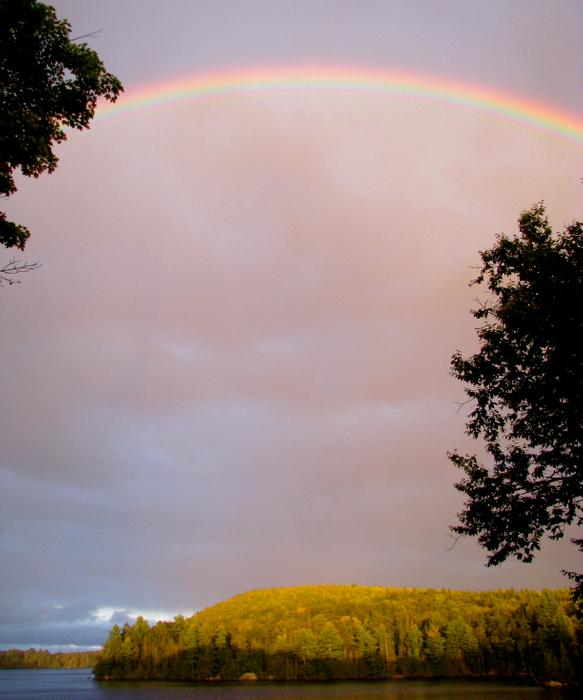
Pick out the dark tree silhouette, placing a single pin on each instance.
(47, 82)
(525, 385)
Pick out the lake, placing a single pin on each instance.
(78, 683)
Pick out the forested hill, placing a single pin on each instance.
(325, 632)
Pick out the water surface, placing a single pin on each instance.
(36, 684)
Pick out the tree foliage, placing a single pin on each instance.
(525, 385)
(48, 82)
(341, 632)
(41, 658)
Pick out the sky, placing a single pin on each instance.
(232, 369)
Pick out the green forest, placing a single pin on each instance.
(41, 658)
(357, 632)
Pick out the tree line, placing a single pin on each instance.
(41, 658)
(356, 632)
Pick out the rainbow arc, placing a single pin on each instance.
(505, 105)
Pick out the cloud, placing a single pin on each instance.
(232, 369)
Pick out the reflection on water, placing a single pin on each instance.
(79, 683)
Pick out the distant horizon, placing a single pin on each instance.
(169, 617)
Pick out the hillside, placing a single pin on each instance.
(325, 632)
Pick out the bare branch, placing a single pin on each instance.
(455, 539)
(96, 32)
(13, 268)
(461, 404)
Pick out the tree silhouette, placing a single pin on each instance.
(47, 82)
(526, 388)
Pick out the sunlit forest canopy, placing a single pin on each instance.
(340, 632)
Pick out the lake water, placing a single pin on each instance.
(79, 683)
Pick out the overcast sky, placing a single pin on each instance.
(232, 369)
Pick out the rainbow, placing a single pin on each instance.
(504, 105)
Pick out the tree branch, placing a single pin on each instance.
(13, 268)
